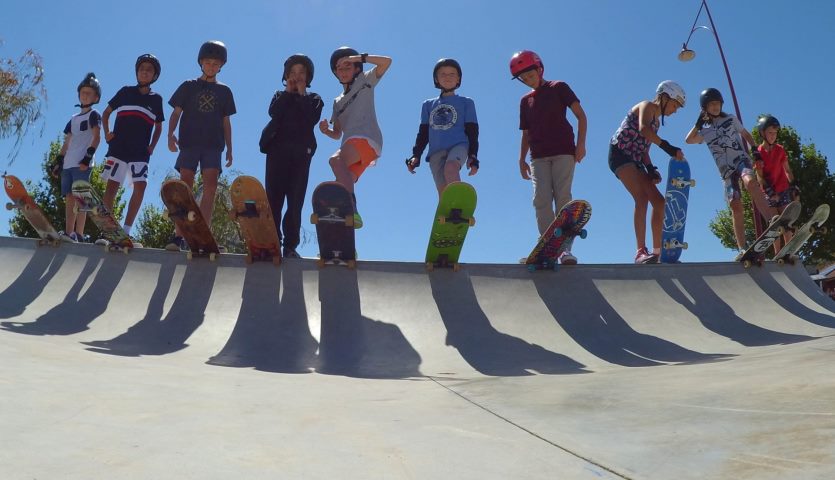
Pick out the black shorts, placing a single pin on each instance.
(618, 158)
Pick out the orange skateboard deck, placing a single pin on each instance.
(22, 202)
(181, 207)
(251, 209)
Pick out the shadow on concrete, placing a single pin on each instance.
(154, 335)
(75, 313)
(486, 349)
(272, 332)
(583, 312)
(43, 265)
(354, 345)
(773, 289)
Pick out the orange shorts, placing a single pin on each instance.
(367, 155)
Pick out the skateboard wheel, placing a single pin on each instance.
(471, 220)
(746, 264)
(584, 233)
(430, 266)
(212, 257)
(456, 267)
(9, 206)
(684, 245)
(442, 220)
(349, 221)
(780, 261)
(189, 255)
(531, 268)
(320, 263)
(352, 264)
(558, 232)
(248, 259)
(693, 182)
(781, 230)
(191, 216)
(314, 218)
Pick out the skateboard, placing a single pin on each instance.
(675, 210)
(22, 202)
(87, 200)
(803, 234)
(453, 217)
(251, 210)
(333, 215)
(568, 224)
(184, 211)
(756, 252)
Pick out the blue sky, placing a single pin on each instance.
(612, 53)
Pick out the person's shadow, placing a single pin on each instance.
(154, 335)
(352, 344)
(29, 284)
(272, 332)
(486, 349)
(75, 313)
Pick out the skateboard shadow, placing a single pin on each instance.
(154, 335)
(486, 349)
(272, 332)
(584, 314)
(74, 314)
(354, 345)
(29, 284)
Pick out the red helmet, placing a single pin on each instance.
(524, 61)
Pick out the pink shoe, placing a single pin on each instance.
(643, 256)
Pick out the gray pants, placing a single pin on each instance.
(552, 177)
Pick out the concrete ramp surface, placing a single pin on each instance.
(147, 365)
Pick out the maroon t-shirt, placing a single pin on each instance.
(542, 114)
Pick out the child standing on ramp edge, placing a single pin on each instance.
(774, 173)
(135, 134)
(724, 135)
(550, 139)
(354, 118)
(81, 138)
(629, 161)
(448, 124)
(205, 106)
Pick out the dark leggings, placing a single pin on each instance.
(286, 178)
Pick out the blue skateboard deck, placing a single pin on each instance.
(675, 210)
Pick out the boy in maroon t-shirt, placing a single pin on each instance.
(550, 139)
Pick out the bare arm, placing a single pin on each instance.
(524, 146)
(334, 133)
(105, 123)
(693, 137)
(172, 126)
(647, 112)
(155, 137)
(582, 124)
(382, 63)
(66, 145)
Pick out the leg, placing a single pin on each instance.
(275, 186)
(69, 212)
(135, 202)
(297, 187)
(110, 194)
(657, 218)
(345, 156)
(207, 203)
(738, 216)
(562, 174)
(635, 182)
(437, 165)
(543, 193)
(757, 196)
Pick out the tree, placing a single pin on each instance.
(817, 186)
(155, 230)
(47, 194)
(22, 96)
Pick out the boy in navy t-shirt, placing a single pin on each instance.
(448, 124)
(81, 138)
(205, 106)
(137, 129)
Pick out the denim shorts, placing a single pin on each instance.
(69, 175)
(191, 158)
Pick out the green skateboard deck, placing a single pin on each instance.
(453, 218)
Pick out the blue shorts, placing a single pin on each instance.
(69, 175)
(732, 178)
(191, 158)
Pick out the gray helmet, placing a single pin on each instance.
(91, 81)
(296, 59)
(339, 53)
(214, 49)
(446, 62)
(148, 58)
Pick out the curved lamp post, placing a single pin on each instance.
(686, 54)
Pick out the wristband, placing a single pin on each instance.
(363, 56)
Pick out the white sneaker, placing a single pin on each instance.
(102, 242)
(566, 258)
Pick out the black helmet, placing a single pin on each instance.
(710, 95)
(148, 58)
(91, 81)
(446, 62)
(296, 59)
(212, 49)
(767, 121)
(341, 52)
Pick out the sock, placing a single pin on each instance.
(126, 228)
(656, 251)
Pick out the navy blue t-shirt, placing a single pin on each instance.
(204, 105)
(136, 114)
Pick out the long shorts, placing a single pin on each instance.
(732, 190)
(205, 158)
(367, 155)
(439, 159)
(125, 173)
(69, 175)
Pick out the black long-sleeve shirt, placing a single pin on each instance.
(295, 116)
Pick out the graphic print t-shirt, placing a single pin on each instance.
(204, 105)
(446, 117)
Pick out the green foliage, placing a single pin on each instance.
(22, 96)
(47, 194)
(817, 186)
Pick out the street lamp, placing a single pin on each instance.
(686, 54)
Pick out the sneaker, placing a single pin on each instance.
(75, 237)
(643, 256)
(67, 238)
(357, 221)
(176, 244)
(291, 253)
(221, 249)
(102, 242)
(566, 258)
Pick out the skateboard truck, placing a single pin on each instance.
(455, 218)
(674, 243)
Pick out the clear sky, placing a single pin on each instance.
(612, 53)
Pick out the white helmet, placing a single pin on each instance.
(673, 90)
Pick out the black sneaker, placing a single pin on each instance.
(291, 253)
(176, 244)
